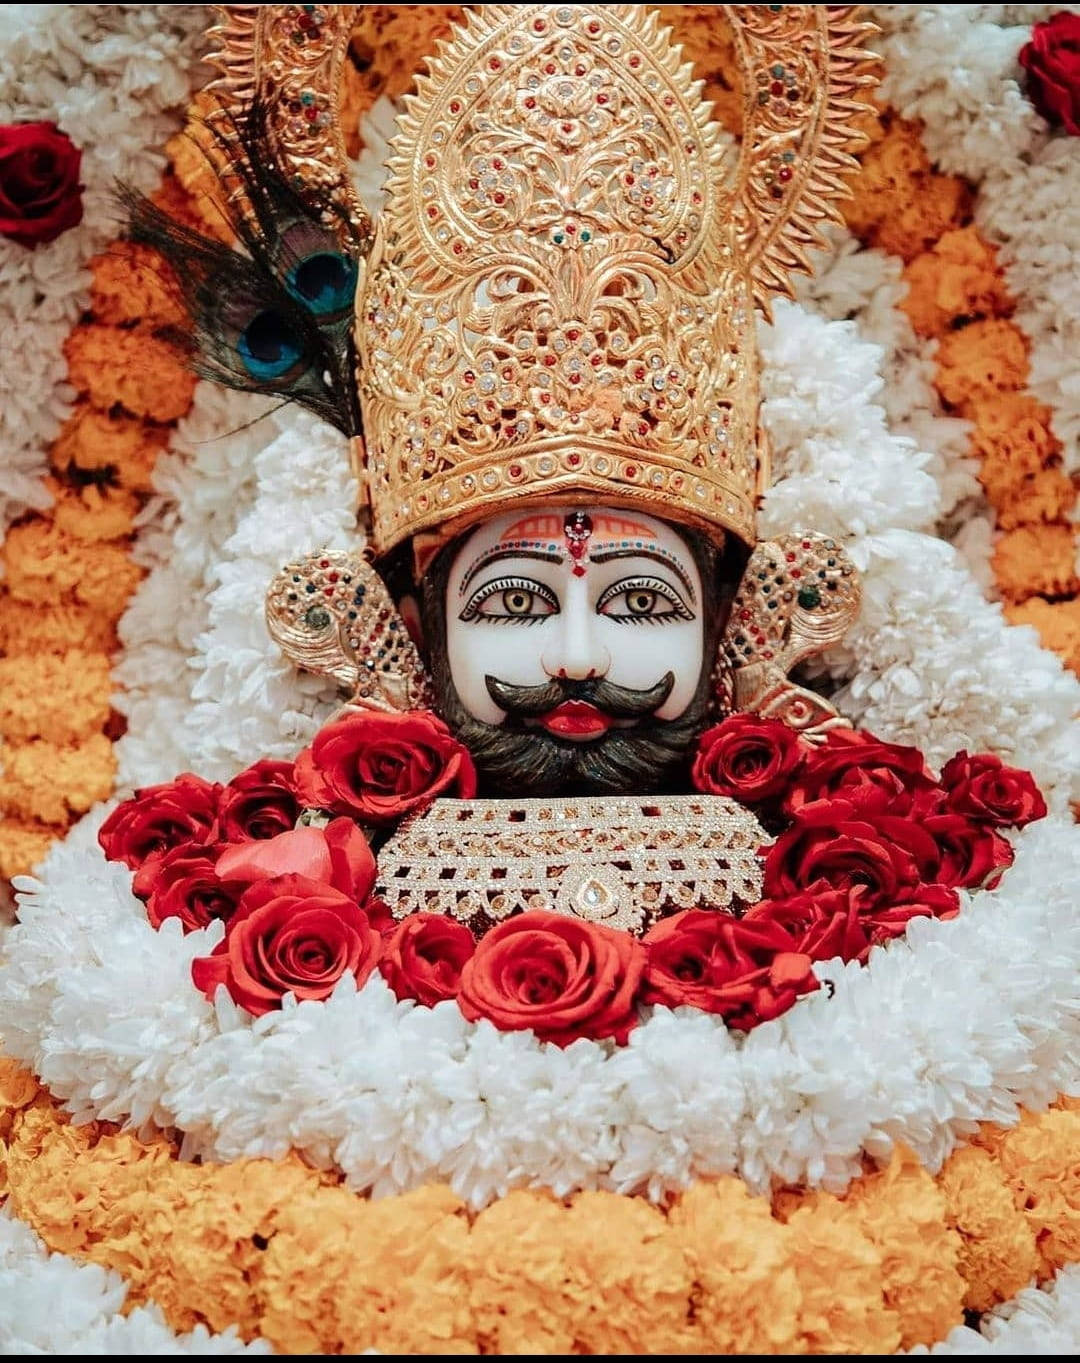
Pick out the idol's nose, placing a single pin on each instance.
(576, 652)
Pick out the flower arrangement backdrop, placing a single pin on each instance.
(923, 400)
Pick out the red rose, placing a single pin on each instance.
(562, 977)
(984, 788)
(848, 923)
(924, 901)
(159, 818)
(1052, 61)
(378, 767)
(747, 759)
(424, 955)
(40, 194)
(337, 855)
(185, 884)
(747, 971)
(289, 935)
(259, 803)
(823, 922)
(827, 842)
(973, 855)
(874, 776)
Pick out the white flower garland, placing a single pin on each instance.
(49, 1304)
(115, 78)
(201, 486)
(980, 1019)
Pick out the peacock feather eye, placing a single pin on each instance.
(268, 346)
(324, 281)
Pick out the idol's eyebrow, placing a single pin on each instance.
(494, 555)
(609, 555)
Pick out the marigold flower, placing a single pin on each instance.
(1036, 560)
(997, 1246)
(985, 357)
(52, 783)
(145, 375)
(958, 277)
(120, 448)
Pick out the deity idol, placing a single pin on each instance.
(554, 421)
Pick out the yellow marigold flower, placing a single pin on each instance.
(47, 567)
(120, 448)
(1036, 560)
(899, 203)
(22, 846)
(1039, 1159)
(60, 697)
(52, 783)
(748, 1294)
(390, 42)
(132, 284)
(136, 369)
(958, 277)
(1058, 624)
(997, 1246)
(1021, 460)
(977, 361)
(391, 1274)
(902, 1212)
(92, 512)
(840, 1284)
(26, 628)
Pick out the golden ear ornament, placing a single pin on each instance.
(331, 614)
(799, 595)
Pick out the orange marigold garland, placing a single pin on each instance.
(283, 1250)
(68, 573)
(957, 295)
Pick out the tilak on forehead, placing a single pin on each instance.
(541, 533)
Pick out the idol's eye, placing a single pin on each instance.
(325, 282)
(509, 599)
(643, 598)
(269, 346)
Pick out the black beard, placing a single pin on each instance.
(511, 759)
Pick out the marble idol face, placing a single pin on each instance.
(571, 648)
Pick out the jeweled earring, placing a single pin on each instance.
(331, 614)
(798, 596)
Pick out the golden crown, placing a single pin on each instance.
(558, 299)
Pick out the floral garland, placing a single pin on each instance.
(67, 571)
(866, 841)
(277, 1247)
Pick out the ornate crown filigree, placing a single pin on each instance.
(559, 298)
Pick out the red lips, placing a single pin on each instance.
(576, 719)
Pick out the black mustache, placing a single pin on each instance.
(621, 702)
